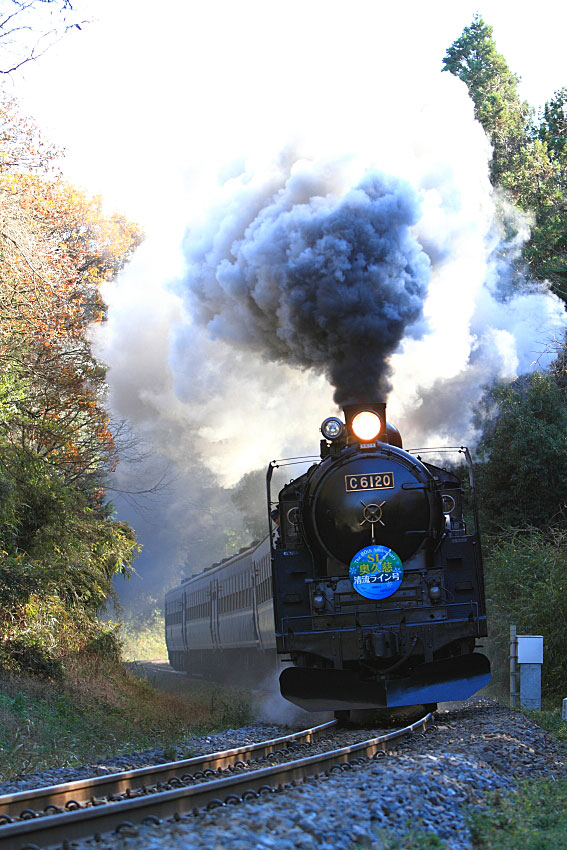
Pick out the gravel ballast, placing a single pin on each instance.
(425, 784)
(232, 738)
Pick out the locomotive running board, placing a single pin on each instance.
(315, 689)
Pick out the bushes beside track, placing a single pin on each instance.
(101, 710)
(526, 584)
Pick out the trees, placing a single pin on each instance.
(59, 546)
(494, 89)
(553, 127)
(523, 480)
(522, 477)
(526, 584)
(528, 158)
(550, 237)
(56, 247)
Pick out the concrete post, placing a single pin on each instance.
(530, 659)
(564, 710)
(530, 686)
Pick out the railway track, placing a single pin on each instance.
(49, 817)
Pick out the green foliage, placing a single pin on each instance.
(106, 643)
(49, 532)
(59, 546)
(550, 719)
(100, 710)
(494, 89)
(232, 713)
(529, 158)
(533, 818)
(28, 653)
(40, 636)
(523, 480)
(58, 556)
(522, 484)
(553, 126)
(414, 839)
(526, 584)
(144, 636)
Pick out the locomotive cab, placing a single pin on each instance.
(378, 589)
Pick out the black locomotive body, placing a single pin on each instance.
(377, 582)
(369, 585)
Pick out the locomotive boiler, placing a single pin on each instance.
(368, 588)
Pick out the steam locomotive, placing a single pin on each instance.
(369, 586)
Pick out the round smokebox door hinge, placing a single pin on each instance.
(372, 513)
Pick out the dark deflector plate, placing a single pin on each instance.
(440, 681)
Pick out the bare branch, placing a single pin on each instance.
(31, 28)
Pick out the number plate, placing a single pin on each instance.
(370, 481)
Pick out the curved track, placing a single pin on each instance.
(47, 817)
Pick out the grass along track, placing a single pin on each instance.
(100, 816)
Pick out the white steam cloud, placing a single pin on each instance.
(382, 217)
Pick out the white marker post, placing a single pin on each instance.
(530, 659)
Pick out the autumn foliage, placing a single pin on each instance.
(56, 447)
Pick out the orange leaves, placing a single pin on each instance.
(56, 247)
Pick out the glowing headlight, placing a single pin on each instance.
(366, 425)
(332, 428)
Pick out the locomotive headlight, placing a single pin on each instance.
(332, 428)
(366, 425)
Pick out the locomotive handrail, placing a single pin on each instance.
(288, 627)
(290, 461)
(464, 450)
(276, 464)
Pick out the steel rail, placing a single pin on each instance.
(52, 830)
(82, 790)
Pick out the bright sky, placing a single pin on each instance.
(149, 95)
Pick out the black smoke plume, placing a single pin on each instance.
(331, 284)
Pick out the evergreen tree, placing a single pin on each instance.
(523, 481)
(553, 126)
(494, 90)
(529, 160)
